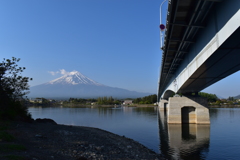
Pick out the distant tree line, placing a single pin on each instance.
(146, 100)
(226, 102)
(214, 100)
(231, 98)
(99, 101)
(210, 97)
(81, 100)
(107, 101)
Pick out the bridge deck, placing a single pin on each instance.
(191, 25)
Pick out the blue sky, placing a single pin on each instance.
(114, 42)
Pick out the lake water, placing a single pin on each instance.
(219, 140)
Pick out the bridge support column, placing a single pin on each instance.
(163, 104)
(190, 109)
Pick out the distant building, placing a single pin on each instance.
(36, 100)
(127, 102)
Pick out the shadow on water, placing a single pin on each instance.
(183, 141)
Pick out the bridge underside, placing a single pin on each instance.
(185, 20)
(201, 47)
(224, 62)
(191, 26)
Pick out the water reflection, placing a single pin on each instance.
(139, 124)
(149, 127)
(183, 141)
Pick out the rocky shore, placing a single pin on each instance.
(43, 139)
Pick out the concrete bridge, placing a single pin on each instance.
(201, 46)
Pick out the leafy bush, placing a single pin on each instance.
(146, 100)
(13, 86)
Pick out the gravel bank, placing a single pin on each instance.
(46, 140)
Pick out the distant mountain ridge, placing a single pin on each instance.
(76, 85)
(237, 97)
(220, 97)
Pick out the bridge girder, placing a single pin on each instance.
(194, 18)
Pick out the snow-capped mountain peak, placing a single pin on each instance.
(74, 78)
(74, 84)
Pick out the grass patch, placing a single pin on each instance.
(6, 136)
(14, 157)
(11, 147)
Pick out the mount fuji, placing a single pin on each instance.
(74, 78)
(76, 85)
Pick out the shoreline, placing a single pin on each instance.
(45, 139)
(93, 106)
(224, 106)
(119, 106)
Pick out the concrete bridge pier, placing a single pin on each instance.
(191, 109)
(163, 104)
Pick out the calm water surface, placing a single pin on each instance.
(220, 140)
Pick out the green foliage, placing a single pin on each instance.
(11, 80)
(231, 98)
(43, 100)
(107, 101)
(146, 100)
(229, 101)
(81, 100)
(210, 97)
(15, 110)
(218, 102)
(100, 101)
(13, 86)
